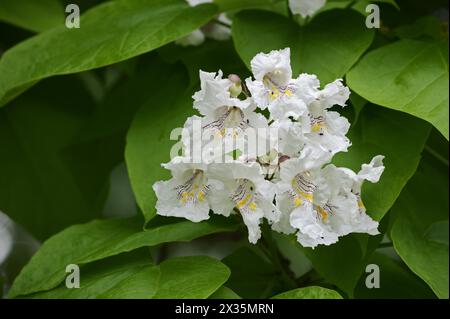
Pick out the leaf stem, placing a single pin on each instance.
(385, 245)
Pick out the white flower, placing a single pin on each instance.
(353, 182)
(247, 191)
(299, 178)
(215, 93)
(306, 7)
(328, 128)
(218, 31)
(6, 237)
(273, 86)
(187, 194)
(194, 38)
(274, 67)
(225, 116)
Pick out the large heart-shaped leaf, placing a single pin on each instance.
(409, 76)
(109, 33)
(126, 276)
(420, 212)
(132, 276)
(323, 47)
(82, 244)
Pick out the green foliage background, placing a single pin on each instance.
(76, 103)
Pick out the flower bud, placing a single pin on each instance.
(236, 87)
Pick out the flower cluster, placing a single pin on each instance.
(290, 183)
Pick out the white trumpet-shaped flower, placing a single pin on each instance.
(328, 128)
(187, 194)
(225, 116)
(274, 88)
(247, 192)
(299, 178)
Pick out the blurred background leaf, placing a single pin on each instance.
(322, 47)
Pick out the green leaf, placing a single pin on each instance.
(309, 293)
(82, 244)
(409, 76)
(48, 182)
(194, 277)
(343, 263)
(109, 33)
(357, 103)
(396, 281)
(211, 56)
(148, 139)
(323, 47)
(127, 276)
(423, 208)
(114, 114)
(397, 136)
(438, 232)
(279, 6)
(132, 276)
(247, 280)
(32, 15)
(428, 26)
(224, 293)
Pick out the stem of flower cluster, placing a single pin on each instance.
(270, 249)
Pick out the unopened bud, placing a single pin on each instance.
(236, 87)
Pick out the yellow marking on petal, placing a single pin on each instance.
(244, 201)
(201, 196)
(288, 92)
(308, 197)
(252, 206)
(184, 197)
(297, 201)
(361, 204)
(316, 127)
(322, 213)
(274, 93)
